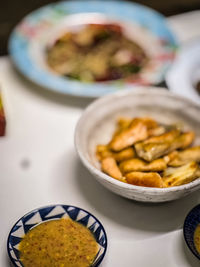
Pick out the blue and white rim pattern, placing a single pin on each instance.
(191, 222)
(51, 14)
(37, 216)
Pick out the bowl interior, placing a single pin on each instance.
(190, 224)
(53, 212)
(97, 124)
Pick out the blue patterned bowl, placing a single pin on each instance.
(190, 224)
(35, 217)
(31, 37)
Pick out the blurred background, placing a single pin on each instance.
(11, 12)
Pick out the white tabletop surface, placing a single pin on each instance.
(39, 166)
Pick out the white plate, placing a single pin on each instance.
(185, 72)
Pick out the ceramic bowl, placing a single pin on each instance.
(190, 224)
(97, 124)
(35, 217)
(32, 36)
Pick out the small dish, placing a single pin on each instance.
(189, 227)
(97, 124)
(184, 74)
(33, 35)
(37, 216)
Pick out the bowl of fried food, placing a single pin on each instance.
(143, 144)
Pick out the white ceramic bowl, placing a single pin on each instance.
(97, 124)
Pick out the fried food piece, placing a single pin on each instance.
(110, 167)
(181, 175)
(122, 124)
(137, 131)
(150, 179)
(184, 140)
(103, 152)
(185, 156)
(157, 131)
(156, 147)
(140, 165)
(171, 156)
(125, 154)
(166, 137)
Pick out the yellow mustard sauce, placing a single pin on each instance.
(58, 243)
(197, 238)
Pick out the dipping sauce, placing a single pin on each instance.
(197, 238)
(58, 243)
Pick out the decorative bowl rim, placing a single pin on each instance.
(197, 207)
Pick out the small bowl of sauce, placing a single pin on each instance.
(191, 230)
(57, 235)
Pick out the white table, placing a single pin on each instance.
(39, 166)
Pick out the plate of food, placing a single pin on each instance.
(89, 49)
(184, 76)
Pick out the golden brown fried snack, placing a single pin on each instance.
(163, 138)
(171, 156)
(110, 167)
(122, 124)
(124, 154)
(156, 147)
(184, 140)
(149, 179)
(157, 131)
(102, 152)
(137, 131)
(181, 175)
(136, 164)
(185, 156)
